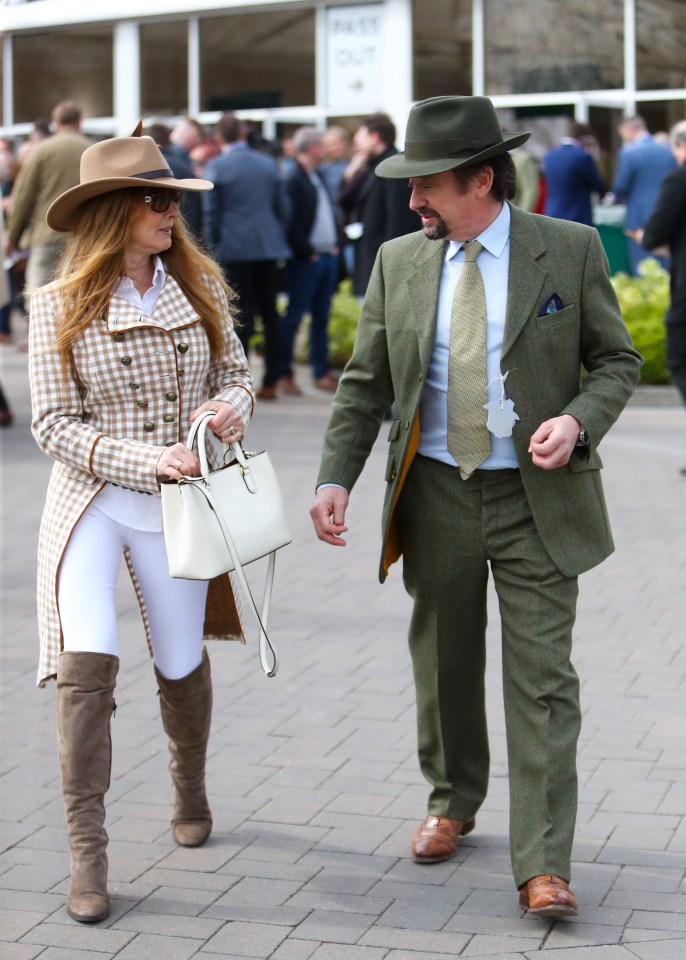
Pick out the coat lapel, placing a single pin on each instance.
(526, 275)
(423, 284)
(172, 311)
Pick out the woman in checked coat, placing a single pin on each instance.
(132, 341)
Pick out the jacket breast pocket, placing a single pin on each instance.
(551, 322)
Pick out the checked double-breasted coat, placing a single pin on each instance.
(134, 380)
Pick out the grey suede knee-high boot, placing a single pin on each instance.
(186, 707)
(85, 701)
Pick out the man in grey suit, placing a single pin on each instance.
(477, 329)
(244, 226)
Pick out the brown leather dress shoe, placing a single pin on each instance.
(288, 387)
(437, 838)
(328, 382)
(548, 896)
(266, 393)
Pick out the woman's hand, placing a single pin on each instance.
(227, 424)
(177, 462)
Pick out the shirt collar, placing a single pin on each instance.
(159, 275)
(494, 238)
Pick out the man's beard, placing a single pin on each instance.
(440, 227)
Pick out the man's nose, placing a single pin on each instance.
(417, 200)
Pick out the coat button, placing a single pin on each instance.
(142, 404)
(118, 337)
(167, 418)
(182, 347)
(148, 426)
(171, 396)
(407, 424)
(170, 443)
(135, 386)
(126, 361)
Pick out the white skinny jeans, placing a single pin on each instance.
(88, 579)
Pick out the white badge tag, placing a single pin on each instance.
(501, 412)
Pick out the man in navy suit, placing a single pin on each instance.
(571, 177)
(643, 165)
(244, 226)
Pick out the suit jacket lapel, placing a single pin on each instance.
(526, 275)
(423, 284)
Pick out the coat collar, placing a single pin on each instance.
(172, 311)
(526, 274)
(423, 284)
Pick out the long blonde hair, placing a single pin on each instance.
(93, 262)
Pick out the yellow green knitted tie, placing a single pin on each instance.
(469, 441)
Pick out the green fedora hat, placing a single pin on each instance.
(447, 132)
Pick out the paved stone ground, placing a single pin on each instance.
(312, 775)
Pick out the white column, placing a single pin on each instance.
(630, 56)
(320, 61)
(193, 67)
(127, 77)
(478, 50)
(7, 81)
(398, 93)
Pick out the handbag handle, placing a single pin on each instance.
(268, 658)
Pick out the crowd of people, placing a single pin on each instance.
(297, 216)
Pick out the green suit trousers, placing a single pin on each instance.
(452, 530)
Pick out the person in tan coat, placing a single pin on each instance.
(131, 342)
(51, 168)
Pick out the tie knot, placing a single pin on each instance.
(472, 249)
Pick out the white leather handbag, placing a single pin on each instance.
(226, 518)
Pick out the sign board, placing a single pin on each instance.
(354, 56)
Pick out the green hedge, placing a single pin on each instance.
(644, 301)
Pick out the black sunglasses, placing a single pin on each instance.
(161, 202)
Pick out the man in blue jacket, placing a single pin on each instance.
(244, 227)
(571, 177)
(643, 165)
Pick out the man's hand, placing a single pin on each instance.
(328, 515)
(552, 444)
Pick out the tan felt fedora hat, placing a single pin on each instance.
(448, 132)
(113, 165)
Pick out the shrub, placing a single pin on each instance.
(644, 301)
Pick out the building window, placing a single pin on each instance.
(442, 48)
(660, 32)
(164, 67)
(257, 60)
(63, 65)
(544, 45)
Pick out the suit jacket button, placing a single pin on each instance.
(182, 347)
(171, 396)
(167, 418)
(148, 426)
(126, 361)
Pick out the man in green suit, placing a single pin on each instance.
(512, 482)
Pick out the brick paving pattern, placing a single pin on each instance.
(312, 776)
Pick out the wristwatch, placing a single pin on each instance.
(582, 439)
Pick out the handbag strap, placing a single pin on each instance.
(198, 431)
(268, 659)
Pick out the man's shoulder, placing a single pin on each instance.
(407, 245)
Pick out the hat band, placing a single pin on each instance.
(153, 174)
(439, 149)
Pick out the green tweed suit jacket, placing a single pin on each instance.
(544, 354)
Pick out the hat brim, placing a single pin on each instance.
(63, 212)
(399, 167)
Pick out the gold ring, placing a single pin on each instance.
(177, 465)
(231, 431)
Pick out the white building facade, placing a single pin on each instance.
(288, 62)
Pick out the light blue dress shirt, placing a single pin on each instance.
(494, 263)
